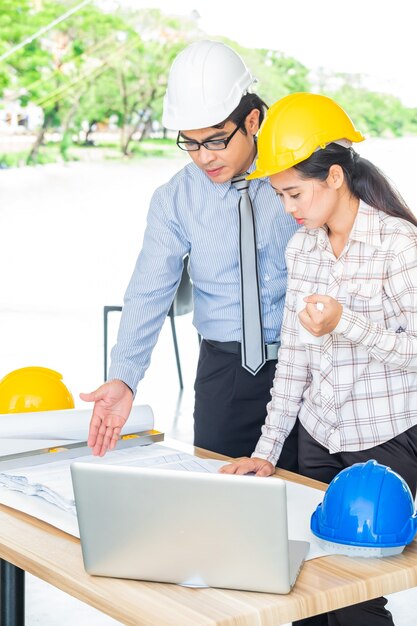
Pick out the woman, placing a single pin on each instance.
(347, 366)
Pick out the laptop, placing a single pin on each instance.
(189, 528)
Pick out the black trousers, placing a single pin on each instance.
(315, 461)
(230, 406)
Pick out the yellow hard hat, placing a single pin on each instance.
(34, 389)
(295, 126)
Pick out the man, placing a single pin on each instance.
(198, 213)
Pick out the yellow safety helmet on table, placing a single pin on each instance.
(34, 389)
(295, 126)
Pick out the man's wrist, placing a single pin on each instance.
(119, 380)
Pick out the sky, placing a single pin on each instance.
(376, 38)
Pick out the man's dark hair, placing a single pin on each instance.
(364, 180)
(248, 102)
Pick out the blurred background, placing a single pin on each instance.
(82, 149)
(82, 146)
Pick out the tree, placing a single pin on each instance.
(93, 65)
(15, 26)
(55, 70)
(374, 113)
(83, 46)
(142, 77)
(277, 74)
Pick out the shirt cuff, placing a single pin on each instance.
(268, 450)
(360, 330)
(345, 323)
(128, 375)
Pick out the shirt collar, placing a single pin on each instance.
(254, 184)
(223, 188)
(366, 229)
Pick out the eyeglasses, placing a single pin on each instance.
(211, 144)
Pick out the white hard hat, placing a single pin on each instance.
(206, 83)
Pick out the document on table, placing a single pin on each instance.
(51, 497)
(52, 480)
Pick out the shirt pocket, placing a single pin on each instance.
(298, 289)
(366, 298)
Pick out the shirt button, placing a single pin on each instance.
(266, 277)
(259, 246)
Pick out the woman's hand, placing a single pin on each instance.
(245, 465)
(321, 314)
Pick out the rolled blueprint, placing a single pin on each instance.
(66, 425)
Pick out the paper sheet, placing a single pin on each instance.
(45, 490)
(51, 481)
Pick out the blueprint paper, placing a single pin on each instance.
(45, 490)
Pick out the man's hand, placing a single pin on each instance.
(246, 465)
(321, 314)
(112, 405)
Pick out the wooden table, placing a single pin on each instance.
(323, 584)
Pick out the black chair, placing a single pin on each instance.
(182, 304)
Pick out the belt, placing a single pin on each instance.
(234, 347)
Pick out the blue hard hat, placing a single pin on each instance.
(367, 505)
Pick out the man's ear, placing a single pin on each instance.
(336, 176)
(252, 122)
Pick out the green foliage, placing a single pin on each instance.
(141, 78)
(155, 148)
(48, 154)
(375, 114)
(95, 65)
(279, 75)
(14, 159)
(18, 22)
(411, 121)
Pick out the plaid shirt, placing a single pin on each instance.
(358, 388)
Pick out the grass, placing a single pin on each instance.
(47, 154)
(52, 152)
(154, 147)
(145, 148)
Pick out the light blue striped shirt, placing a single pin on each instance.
(191, 214)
